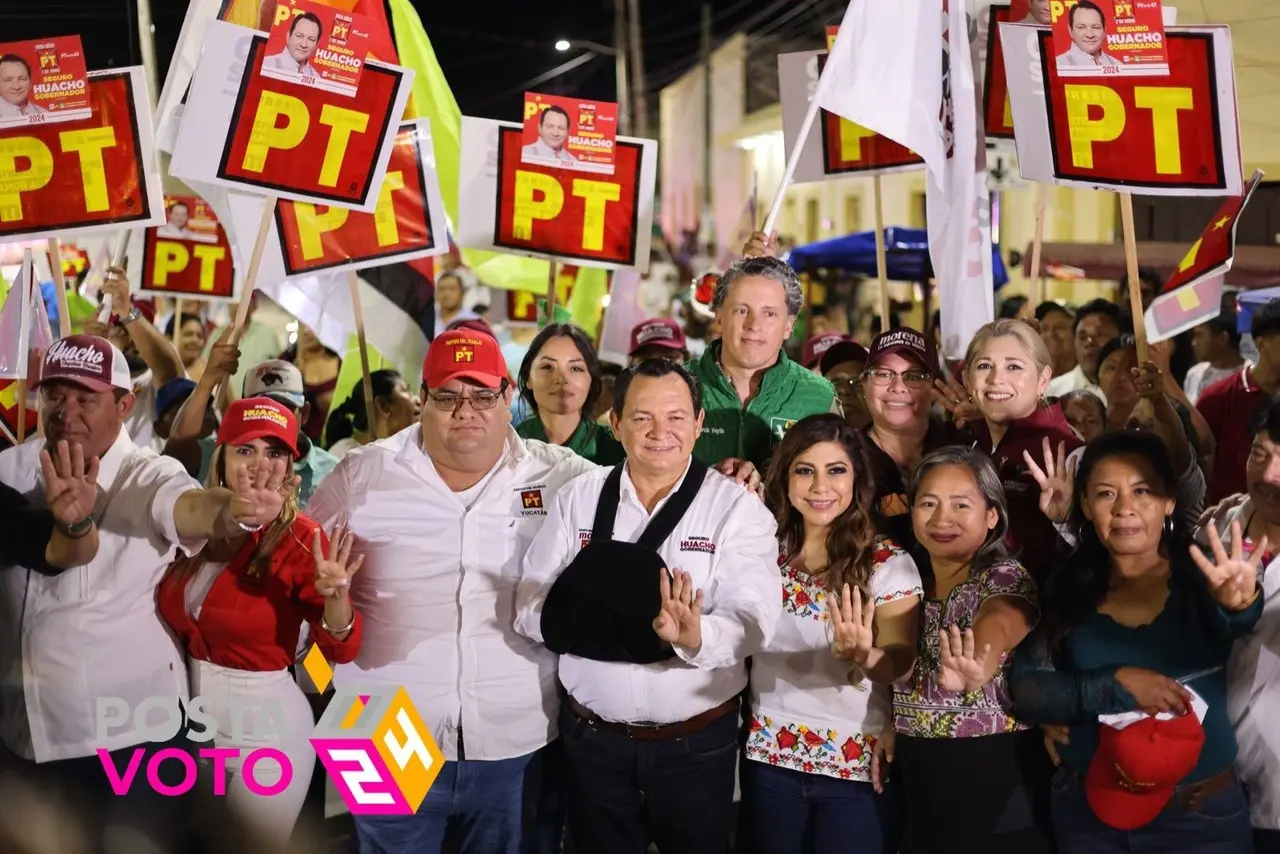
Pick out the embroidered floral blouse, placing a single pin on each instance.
(923, 709)
(805, 713)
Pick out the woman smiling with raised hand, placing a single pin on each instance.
(1007, 371)
(1134, 617)
(560, 378)
(953, 716)
(819, 692)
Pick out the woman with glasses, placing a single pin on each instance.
(897, 387)
(1135, 618)
(1006, 375)
(560, 378)
(819, 693)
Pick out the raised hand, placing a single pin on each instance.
(679, 622)
(334, 571)
(760, 245)
(1056, 480)
(852, 624)
(955, 398)
(70, 485)
(224, 357)
(959, 669)
(116, 286)
(1233, 581)
(260, 494)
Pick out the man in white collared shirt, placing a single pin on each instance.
(651, 737)
(1088, 38)
(1253, 674)
(300, 46)
(1096, 323)
(442, 513)
(15, 88)
(90, 633)
(553, 130)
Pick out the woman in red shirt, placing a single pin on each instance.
(238, 606)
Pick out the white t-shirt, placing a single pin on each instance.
(141, 423)
(806, 715)
(1202, 375)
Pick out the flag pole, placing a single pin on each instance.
(371, 414)
(1131, 267)
(551, 291)
(59, 288)
(882, 263)
(177, 320)
(251, 274)
(1037, 246)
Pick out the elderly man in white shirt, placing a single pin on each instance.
(1253, 674)
(82, 650)
(654, 614)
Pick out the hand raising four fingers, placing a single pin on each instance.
(1233, 581)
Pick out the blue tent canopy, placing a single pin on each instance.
(906, 255)
(1247, 302)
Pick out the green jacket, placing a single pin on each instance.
(787, 393)
(591, 441)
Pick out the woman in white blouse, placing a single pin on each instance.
(819, 692)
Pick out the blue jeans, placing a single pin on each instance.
(478, 803)
(1219, 826)
(790, 812)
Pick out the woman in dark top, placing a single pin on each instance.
(560, 378)
(1131, 621)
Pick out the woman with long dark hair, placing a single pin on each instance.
(819, 693)
(560, 378)
(1135, 618)
(237, 608)
(395, 408)
(972, 776)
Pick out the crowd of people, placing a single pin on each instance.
(1016, 604)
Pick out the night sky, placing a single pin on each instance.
(487, 56)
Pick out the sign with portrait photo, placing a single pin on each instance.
(190, 255)
(317, 45)
(43, 81)
(1109, 37)
(569, 133)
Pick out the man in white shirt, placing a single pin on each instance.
(1253, 674)
(175, 227)
(1088, 38)
(72, 641)
(1096, 323)
(15, 88)
(553, 130)
(1216, 345)
(652, 662)
(300, 46)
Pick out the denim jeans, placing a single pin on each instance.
(790, 812)
(479, 803)
(1219, 826)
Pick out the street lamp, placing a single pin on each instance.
(620, 72)
(564, 44)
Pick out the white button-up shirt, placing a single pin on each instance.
(437, 588)
(1253, 683)
(726, 542)
(93, 631)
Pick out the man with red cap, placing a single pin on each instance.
(658, 338)
(92, 633)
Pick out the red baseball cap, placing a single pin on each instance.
(259, 418)
(465, 354)
(1136, 769)
(658, 332)
(88, 361)
(906, 342)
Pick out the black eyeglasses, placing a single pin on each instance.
(481, 401)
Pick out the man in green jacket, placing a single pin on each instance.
(751, 391)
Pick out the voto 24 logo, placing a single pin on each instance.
(373, 743)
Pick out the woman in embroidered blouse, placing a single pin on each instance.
(1134, 618)
(1006, 374)
(969, 773)
(237, 608)
(819, 694)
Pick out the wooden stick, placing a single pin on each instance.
(117, 260)
(177, 320)
(22, 411)
(59, 288)
(1037, 246)
(4, 429)
(371, 414)
(251, 274)
(551, 292)
(882, 263)
(1131, 267)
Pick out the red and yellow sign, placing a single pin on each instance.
(76, 174)
(43, 81)
(308, 141)
(995, 93)
(318, 237)
(263, 15)
(848, 147)
(318, 45)
(189, 255)
(1158, 132)
(566, 214)
(522, 306)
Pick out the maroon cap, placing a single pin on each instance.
(88, 361)
(907, 342)
(847, 350)
(658, 332)
(813, 350)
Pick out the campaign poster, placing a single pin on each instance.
(319, 46)
(43, 81)
(189, 218)
(569, 133)
(1109, 37)
(190, 255)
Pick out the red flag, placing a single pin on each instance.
(1193, 293)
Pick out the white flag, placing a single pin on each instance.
(959, 219)
(926, 99)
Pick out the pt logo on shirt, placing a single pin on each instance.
(531, 499)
